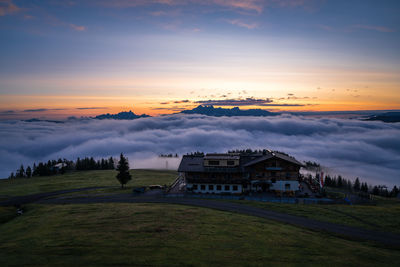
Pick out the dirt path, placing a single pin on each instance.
(341, 230)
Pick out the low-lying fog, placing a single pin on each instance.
(353, 148)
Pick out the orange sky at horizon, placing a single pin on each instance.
(60, 107)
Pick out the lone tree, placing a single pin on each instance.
(123, 175)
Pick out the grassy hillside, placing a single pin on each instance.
(385, 216)
(161, 234)
(25, 186)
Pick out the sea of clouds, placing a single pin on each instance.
(366, 149)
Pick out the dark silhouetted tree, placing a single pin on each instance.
(339, 182)
(21, 172)
(111, 164)
(34, 170)
(395, 192)
(375, 190)
(28, 172)
(357, 185)
(123, 175)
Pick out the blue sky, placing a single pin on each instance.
(98, 52)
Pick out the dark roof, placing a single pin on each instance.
(257, 160)
(191, 164)
(195, 163)
(288, 158)
(222, 156)
(271, 155)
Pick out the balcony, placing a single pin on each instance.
(222, 169)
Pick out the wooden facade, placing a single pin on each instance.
(242, 173)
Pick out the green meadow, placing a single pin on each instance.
(114, 234)
(383, 216)
(172, 235)
(78, 179)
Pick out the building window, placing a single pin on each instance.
(227, 187)
(287, 186)
(235, 188)
(288, 175)
(203, 187)
(219, 187)
(273, 174)
(213, 162)
(230, 162)
(195, 187)
(210, 187)
(245, 186)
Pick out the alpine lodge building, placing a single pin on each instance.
(240, 173)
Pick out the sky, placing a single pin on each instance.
(82, 58)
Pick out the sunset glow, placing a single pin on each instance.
(149, 56)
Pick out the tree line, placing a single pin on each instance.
(60, 166)
(168, 155)
(359, 187)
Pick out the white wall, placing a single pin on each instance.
(214, 190)
(280, 185)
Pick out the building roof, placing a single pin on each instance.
(272, 155)
(228, 156)
(192, 163)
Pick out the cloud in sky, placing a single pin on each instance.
(253, 6)
(236, 102)
(8, 7)
(250, 5)
(373, 28)
(182, 101)
(42, 109)
(240, 23)
(77, 28)
(248, 102)
(369, 150)
(85, 108)
(7, 112)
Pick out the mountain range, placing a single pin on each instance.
(385, 117)
(219, 112)
(125, 115)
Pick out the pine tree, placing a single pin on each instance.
(21, 172)
(78, 164)
(35, 170)
(123, 175)
(340, 182)
(357, 185)
(395, 192)
(111, 164)
(376, 190)
(28, 172)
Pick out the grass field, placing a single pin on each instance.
(25, 186)
(385, 216)
(162, 234)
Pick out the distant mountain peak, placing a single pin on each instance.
(210, 110)
(124, 115)
(385, 117)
